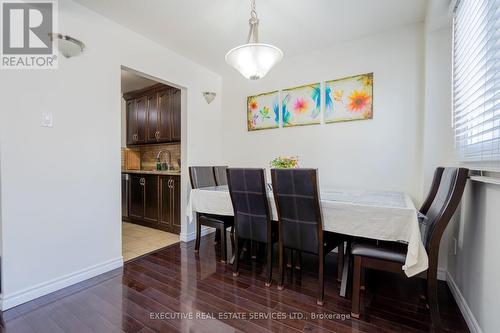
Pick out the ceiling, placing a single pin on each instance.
(205, 30)
(131, 81)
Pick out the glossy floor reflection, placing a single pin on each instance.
(175, 290)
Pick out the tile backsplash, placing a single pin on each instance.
(149, 153)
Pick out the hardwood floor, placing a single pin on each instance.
(160, 292)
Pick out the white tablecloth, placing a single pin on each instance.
(389, 216)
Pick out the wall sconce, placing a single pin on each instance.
(68, 46)
(209, 96)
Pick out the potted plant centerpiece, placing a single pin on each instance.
(285, 162)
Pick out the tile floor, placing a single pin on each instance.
(138, 240)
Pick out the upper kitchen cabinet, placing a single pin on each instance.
(153, 115)
(136, 121)
(175, 99)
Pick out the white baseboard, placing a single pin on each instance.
(192, 235)
(11, 300)
(441, 274)
(462, 304)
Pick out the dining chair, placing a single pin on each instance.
(300, 221)
(220, 175)
(204, 176)
(444, 197)
(220, 179)
(252, 218)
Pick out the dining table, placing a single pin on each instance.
(372, 214)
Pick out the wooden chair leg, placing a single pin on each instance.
(340, 261)
(362, 285)
(281, 264)
(253, 250)
(321, 278)
(269, 253)
(356, 284)
(432, 299)
(423, 290)
(217, 236)
(198, 235)
(290, 259)
(298, 260)
(344, 285)
(231, 237)
(223, 244)
(236, 263)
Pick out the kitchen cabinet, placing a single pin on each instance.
(154, 201)
(136, 198)
(152, 118)
(169, 203)
(175, 101)
(153, 115)
(164, 116)
(176, 204)
(136, 121)
(151, 198)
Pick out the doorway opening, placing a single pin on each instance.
(151, 163)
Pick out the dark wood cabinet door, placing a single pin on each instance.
(175, 103)
(131, 121)
(164, 122)
(152, 119)
(165, 205)
(136, 198)
(141, 111)
(151, 198)
(175, 192)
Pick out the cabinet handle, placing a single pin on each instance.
(157, 135)
(142, 181)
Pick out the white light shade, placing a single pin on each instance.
(254, 60)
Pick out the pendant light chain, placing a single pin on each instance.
(254, 24)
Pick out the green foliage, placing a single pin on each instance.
(285, 162)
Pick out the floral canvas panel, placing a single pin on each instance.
(349, 98)
(263, 111)
(301, 105)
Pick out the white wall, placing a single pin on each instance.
(60, 187)
(474, 272)
(438, 138)
(383, 153)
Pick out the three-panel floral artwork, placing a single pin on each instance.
(345, 99)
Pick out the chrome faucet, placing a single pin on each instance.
(168, 161)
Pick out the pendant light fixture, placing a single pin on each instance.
(253, 59)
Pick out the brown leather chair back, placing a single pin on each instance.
(201, 176)
(297, 202)
(446, 200)
(250, 203)
(438, 173)
(220, 175)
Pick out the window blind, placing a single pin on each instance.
(476, 80)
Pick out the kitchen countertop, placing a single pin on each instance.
(154, 172)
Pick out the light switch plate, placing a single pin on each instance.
(47, 119)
